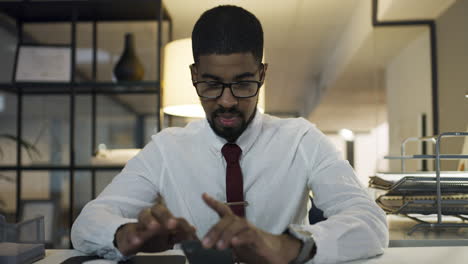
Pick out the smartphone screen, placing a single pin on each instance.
(197, 254)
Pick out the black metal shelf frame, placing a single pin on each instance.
(61, 168)
(82, 88)
(73, 12)
(48, 11)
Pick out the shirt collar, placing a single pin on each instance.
(245, 141)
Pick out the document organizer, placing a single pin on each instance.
(22, 243)
(440, 194)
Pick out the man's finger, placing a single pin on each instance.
(213, 236)
(235, 228)
(163, 216)
(245, 238)
(138, 238)
(184, 231)
(187, 228)
(220, 208)
(129, 241)
(148, 226)
(146, 220)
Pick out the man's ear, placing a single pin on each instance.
(263, 74)
(193, 71)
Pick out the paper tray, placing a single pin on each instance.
(17, 253)
(410, 185)
(456, 204)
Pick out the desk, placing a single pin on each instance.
(447, 237)
(56, 256)
(401, 255)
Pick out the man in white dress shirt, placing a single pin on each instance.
(176, 188)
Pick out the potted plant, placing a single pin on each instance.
(31, 150)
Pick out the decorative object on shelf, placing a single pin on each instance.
(43, 63)
(106, 156)
(129, 67)
(179, 95)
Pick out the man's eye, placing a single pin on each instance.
(244, 85)
(212, 85)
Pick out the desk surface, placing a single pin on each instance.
(401, 255)
(399, 237)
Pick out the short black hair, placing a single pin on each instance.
(227, 29)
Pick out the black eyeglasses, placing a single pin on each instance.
(214, 89)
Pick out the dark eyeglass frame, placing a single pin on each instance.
(229, 85)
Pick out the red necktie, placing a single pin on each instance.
(234, 184)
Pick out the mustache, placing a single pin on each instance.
(222, 110)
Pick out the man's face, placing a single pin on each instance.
(228, 116)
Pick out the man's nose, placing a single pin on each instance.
(227, 99)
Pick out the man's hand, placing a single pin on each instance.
(250, 244)
(156, 230)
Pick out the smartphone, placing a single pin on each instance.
(197, 254)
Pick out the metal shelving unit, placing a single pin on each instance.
(74, 12)
(415, 194)
(403, 148)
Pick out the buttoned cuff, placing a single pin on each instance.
(109, 251)
(307, 242)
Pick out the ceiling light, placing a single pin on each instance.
(346, 134)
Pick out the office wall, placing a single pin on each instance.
(408, 88)
(369, 150)
(452, 38)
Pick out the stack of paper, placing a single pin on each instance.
(417, 192)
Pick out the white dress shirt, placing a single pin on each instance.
(282, 160)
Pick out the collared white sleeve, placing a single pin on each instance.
(132, 190)
(355, 227)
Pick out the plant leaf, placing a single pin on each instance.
(30, 148)
(6, 178)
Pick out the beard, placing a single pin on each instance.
(231, 134)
